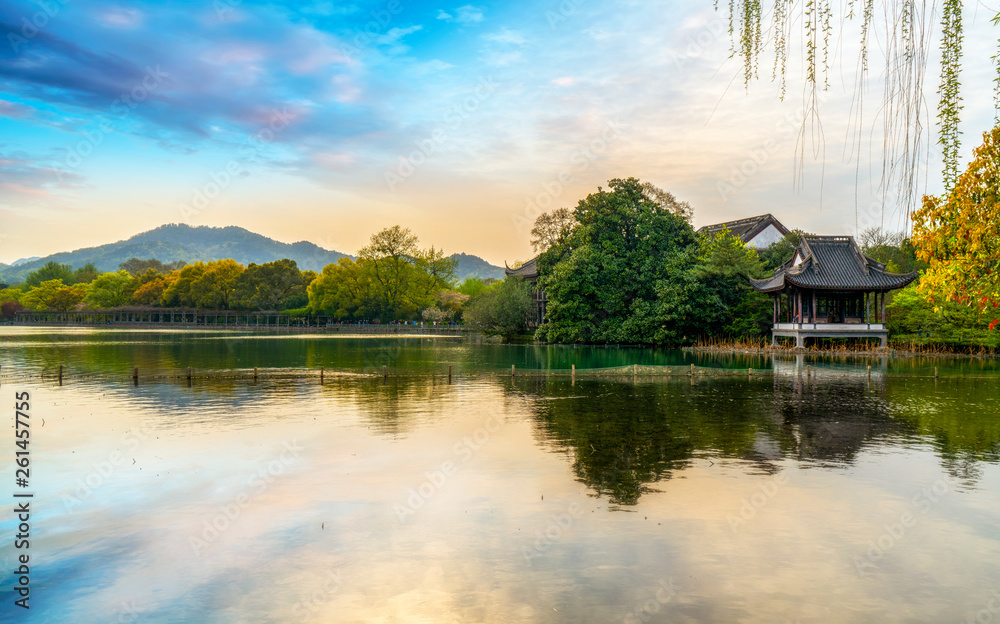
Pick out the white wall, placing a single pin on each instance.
(767, 237)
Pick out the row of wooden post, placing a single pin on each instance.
(513, 371)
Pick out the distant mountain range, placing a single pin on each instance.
(169, 243)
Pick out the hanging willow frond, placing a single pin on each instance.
(950, 100)
(903, 38)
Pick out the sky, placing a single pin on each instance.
(328, 121)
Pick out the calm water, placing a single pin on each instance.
(778, 498)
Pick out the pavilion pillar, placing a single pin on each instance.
(883, 307)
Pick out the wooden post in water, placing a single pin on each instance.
(809, 372)
(935, 372)
(692, 371)
(449, 373)
(385, 373)
(512, 370)
(573, 374)
(189, 374)
(255, 374)
(135, 375)
(321, 370)
(869, 372)
(60, 374)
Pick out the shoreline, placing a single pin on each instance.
(880, 352)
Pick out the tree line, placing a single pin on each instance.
(393, 279)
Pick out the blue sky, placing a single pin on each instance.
(327, 121)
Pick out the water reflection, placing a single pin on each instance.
(748, 498)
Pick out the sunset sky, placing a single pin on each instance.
(327, 121)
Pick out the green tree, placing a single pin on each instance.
(502, 310)
(85, 274)
(272, 286)
(111, 290)
(216, 287)
(178, 292)
(604, 283)
(10, 294)
(50, 271)
(135, 266)
(472, 286)
(343, 290)
(775, 255)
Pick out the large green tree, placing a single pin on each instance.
(50, 271)
(111, 290)
(605, 282)
(392, 279)
(273, 286)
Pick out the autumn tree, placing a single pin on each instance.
(53, 295)
(958, 234)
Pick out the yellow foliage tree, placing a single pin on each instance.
(958, 234)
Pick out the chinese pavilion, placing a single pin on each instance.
(830, 289)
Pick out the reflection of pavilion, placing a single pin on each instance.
(830, 289)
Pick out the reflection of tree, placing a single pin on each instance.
(831, 420)
(625, 437)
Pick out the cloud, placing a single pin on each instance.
(392, 39)
(120, 17)
(564, 81)
(15, 110)
(25, 178)
(467, 14)
(506, 35)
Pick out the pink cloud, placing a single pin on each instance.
(15, 110)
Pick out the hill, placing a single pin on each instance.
(169, 243)
(474, 266)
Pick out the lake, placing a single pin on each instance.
(806, 490)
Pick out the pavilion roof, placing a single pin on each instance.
(832, 263)
(528, 270)
(747, 228)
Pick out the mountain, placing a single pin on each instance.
(474, 266)
(23, 260)
(169, 243)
